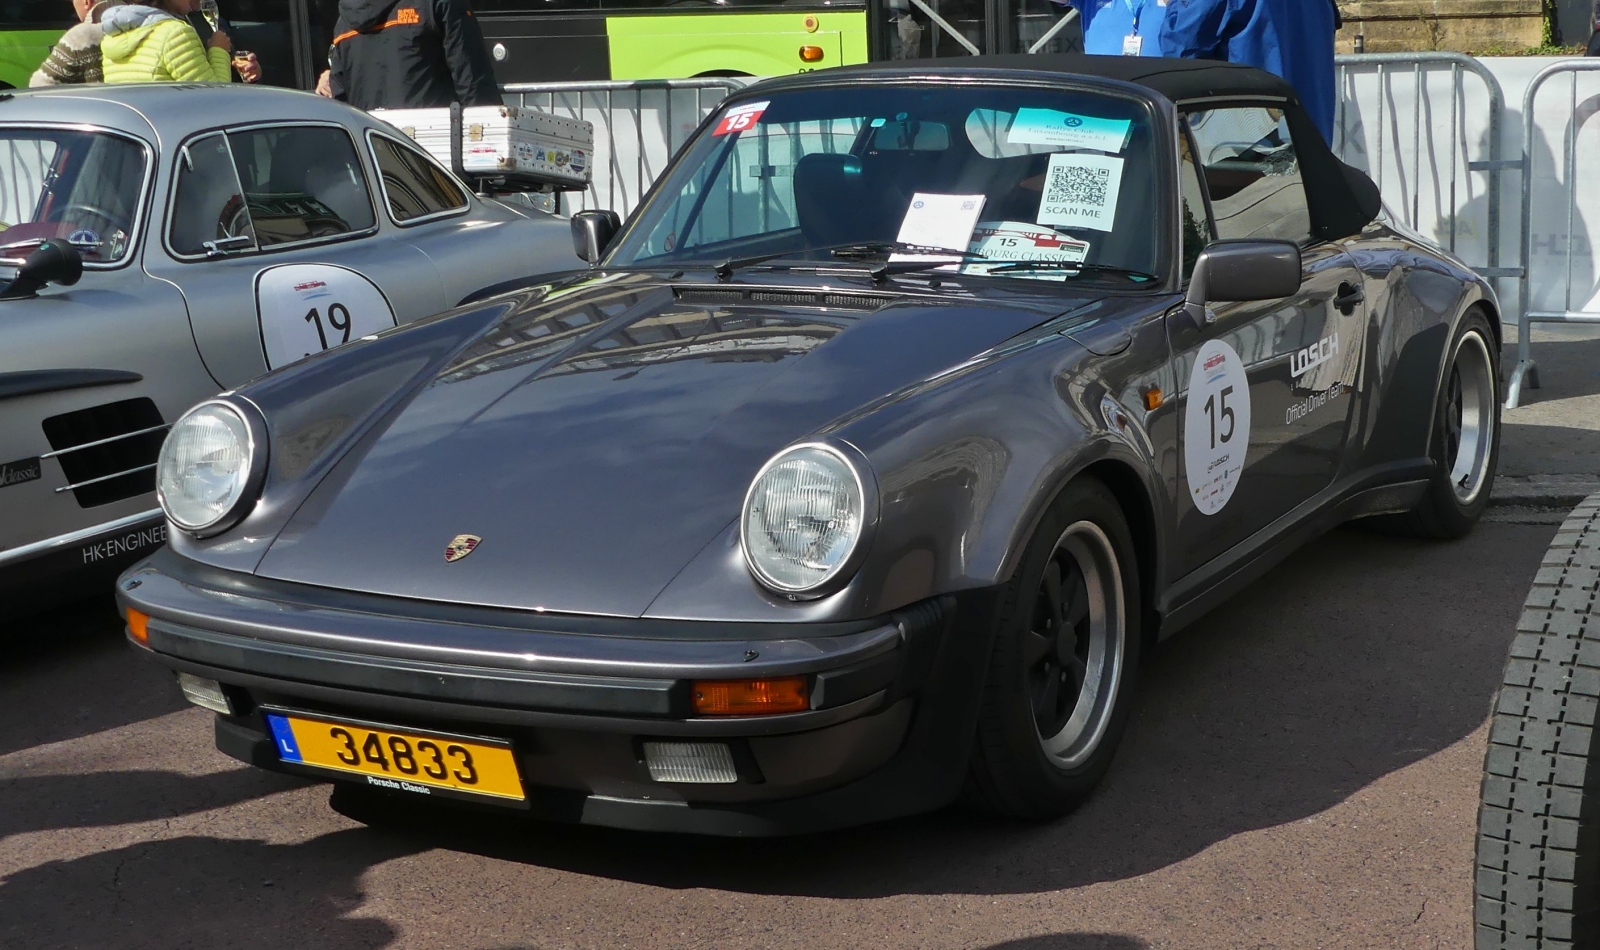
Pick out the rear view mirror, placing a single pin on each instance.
(592, 231)
(54, 262)
(1242, 270)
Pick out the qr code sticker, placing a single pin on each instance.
(1080, 185)
(1081, 191)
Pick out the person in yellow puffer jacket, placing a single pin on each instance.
(157, 44)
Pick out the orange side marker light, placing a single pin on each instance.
(139, 627)
(1153, 399)
(811, 54)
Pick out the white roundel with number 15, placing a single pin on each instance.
(308, 308)
(1216, 426)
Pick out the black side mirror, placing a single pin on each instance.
(54, 262)
(1242, 270)
(592, 231)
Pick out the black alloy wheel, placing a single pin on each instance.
(1061, 671)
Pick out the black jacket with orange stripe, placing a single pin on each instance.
(410, 54)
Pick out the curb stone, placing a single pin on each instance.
(1542, 491)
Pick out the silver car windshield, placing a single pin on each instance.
(80, 186)
(1021, 182)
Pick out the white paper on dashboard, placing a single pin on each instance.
(1080, 191)
(935, 220)
(1050, 127)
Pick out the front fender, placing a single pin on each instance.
(966, 465)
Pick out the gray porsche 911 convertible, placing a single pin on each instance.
(912, 406)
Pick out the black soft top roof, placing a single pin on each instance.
(1343, 199)
(1177, 79)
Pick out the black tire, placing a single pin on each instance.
(1446, 512)
(1011, 771)
(1538, 861)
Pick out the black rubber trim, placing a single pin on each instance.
(32, 382)
(837, 687)
(612, 695)
(1383, 488)
(340, 700)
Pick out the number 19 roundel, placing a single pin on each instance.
(1216, 426)
(308, 308)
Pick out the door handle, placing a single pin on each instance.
(1349, 295)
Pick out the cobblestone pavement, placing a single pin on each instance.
(1302, 772)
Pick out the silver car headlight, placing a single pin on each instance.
(210, 469)
(804, 517)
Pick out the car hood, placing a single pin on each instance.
(597, 440)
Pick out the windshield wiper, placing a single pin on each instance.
(856, 250)
(1075, 267)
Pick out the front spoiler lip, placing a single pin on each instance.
(279, 646)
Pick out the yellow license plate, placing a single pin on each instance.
(398, 758)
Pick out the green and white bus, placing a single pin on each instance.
(28, 28)
(555, 40)
(562, 40)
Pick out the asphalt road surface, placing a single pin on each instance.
(1302, 772)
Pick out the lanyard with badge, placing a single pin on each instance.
(1133, 43)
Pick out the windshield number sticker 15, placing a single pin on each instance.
(740, 118)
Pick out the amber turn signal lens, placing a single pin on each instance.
(811, 54)
(1153, 399)
(783, 694)
(138, 627)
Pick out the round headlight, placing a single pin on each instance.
(803, 518)
(205, 466)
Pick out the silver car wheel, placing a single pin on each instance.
(1469, 414)
(1074, 645)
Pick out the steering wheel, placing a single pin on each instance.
(104, 215)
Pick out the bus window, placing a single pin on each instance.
(912, 34)
(37, 14)
(1034, 21)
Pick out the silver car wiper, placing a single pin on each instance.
(1074, 267)
(853, 251)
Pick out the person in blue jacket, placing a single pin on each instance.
(1121, 27)
(1289, 38)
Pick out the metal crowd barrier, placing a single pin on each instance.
(638, 126)
(1387, 151)
(1526, 372)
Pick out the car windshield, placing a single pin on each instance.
(65, 183)
(1026, 183)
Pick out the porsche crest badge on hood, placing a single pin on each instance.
(460, 546)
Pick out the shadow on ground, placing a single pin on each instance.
(1075, 941)
(1568, 361)
(1361, 655)
(71, 673)
(102, 799)
(196, 891)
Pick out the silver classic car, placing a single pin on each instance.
(161, 243)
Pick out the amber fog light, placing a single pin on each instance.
(782, 694)
(811, 54)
